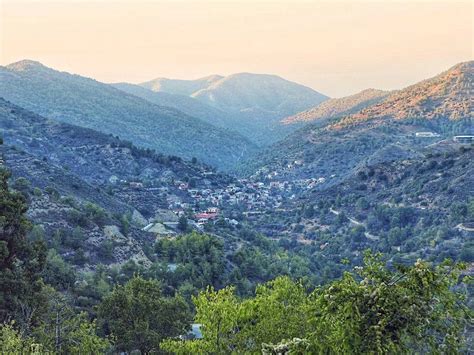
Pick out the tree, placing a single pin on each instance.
(84, 340)
(64, 331)
(192, 183)
(357, 234)
(140, 317)
(309, 211)
(57, 272)
(22, 185)
(95, 213)
(183, 223)
(12, 342)
(21, 262)
(218, 313)
(379, 311)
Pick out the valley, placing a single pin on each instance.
(297, 193)
(199, 205)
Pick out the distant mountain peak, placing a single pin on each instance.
(255, 103)
(26, 64)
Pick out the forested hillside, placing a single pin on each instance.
(107, 246)
(338, 107)
(52, 314)
(186, 104)
(441, 106)
(88, 103)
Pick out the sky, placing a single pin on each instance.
(336, 47)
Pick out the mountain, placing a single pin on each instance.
(95, 157)
(180, 87)
(78, 177)
(442, 105)
(338, 107)
(97, 199)
(448, 95)
(186, 104)
(258, 95)
(89, 103)
(254, 103)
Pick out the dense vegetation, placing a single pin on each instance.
(89, 103)
(373, 310)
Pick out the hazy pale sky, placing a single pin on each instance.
(337, 48)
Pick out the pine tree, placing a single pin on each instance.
(21, 262)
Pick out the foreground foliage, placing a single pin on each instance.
(373, 310)
(139, 317)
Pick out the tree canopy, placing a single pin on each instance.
(371, 310)
(139, 317)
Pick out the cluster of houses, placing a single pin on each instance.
(204, 204)
(209, 215)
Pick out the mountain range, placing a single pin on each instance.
(350, 174)
(89, 103)
(383, 131)
(254, 103)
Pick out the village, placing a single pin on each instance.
(201, 204)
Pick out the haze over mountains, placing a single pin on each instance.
(186, 104)
(180, 87)
(254, 103)
(89, 103)
(195, 118)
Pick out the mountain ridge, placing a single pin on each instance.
(254, 103)
(446, 95)
(83, 101)
(337, 146)
(336, 107)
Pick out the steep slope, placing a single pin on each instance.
(338, 107)
(254, 103)
(82, 222)
(87, 183)
(407, 209)
(86, 102)
(443, 107)
(97, 158)
(186, 104)
(448, 95)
